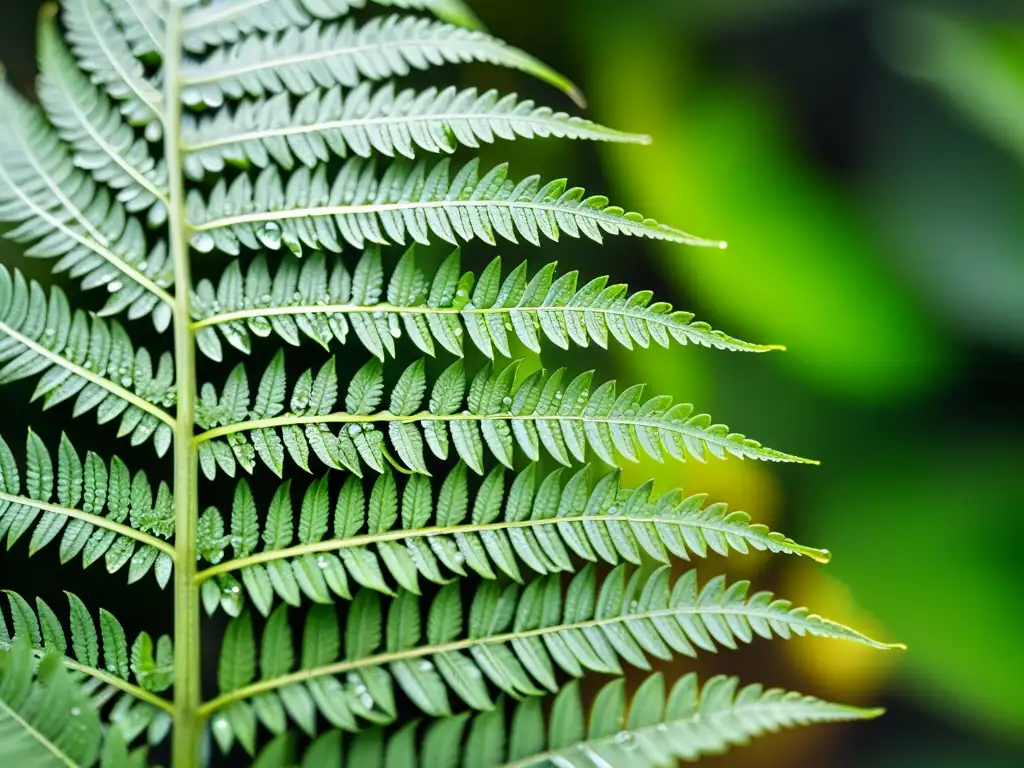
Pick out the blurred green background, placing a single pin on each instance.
(865, 160)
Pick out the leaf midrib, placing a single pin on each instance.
(365, 540)
(97, 520)
(763, 709)
(641, 313)
(100, 381)
(95, 246)
(532, 117)
(37, 736)
(791, 618)
(425, 416)
(576, 211)
(348, 51)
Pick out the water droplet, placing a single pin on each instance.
(321, 562)
(203, 242)
(297, 296)
(426, 665)
(613, 510)
(270, 235)
(626, 740)
(458, 558)
(49, 333)
(558, 395)
(114, 286)
(75, 711)
(354, 429)
(87, 365)
(366, 700)
(221, 724)
(126, 381)
(265, 299)
(506, 401)
(457, 331)
(143, 266)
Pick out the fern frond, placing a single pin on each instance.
(45, 719)
(83, 357)
(103, 52)
(226, 21)
(541, 410)
(126, 535)
(67, 216)
(316, 297)
(409, 201)
(137, 672)
(104, 145)
(516, 639)
(650, 730)
(301, 59)
(143, 25)
(541, 524)
(325, 123)
(653, 730)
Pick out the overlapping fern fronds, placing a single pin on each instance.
(278, 145)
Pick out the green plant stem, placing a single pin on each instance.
(187, 657)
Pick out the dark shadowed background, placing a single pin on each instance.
(865, 160)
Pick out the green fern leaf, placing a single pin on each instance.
(317, 298)
(84, 490)
(104, 53)
(455, 594)
(143, 25)
(407, 202)
(542, 410)
(67, 216)
(651, 731)
(300, 59)
(31, 731)
(43, 632)
(324, 123)
(229, 20)
(517, 640)
(539, 523)
(103, 144)
(90, 359)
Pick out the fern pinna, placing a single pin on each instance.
(432, 566)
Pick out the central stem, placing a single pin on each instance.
(187, 659)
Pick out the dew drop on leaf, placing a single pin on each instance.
(203, 242)
(270, 235)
